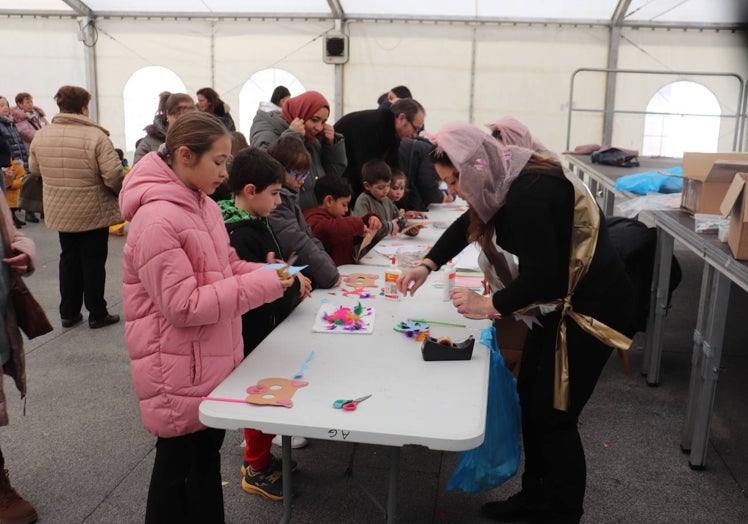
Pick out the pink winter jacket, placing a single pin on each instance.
(184, 291)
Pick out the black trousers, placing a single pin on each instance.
(555, 470)
(83, 273)
(186, 480)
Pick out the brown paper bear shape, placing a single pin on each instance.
(359, 281)
(274, 391)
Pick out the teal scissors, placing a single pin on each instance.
(349, 405)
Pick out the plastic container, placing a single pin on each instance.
(391, 275)
(450, 276)
(723, 232)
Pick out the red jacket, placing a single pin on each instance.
(339, 235)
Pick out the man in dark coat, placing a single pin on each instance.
(423, 182)
(376, 134)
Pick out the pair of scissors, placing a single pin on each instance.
(349, 405)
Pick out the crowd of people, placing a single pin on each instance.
(207, 209)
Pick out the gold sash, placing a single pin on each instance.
(583, 243)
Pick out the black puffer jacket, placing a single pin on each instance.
(253, 240)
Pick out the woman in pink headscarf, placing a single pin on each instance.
(509, 131)
(304, 116)
(570, 277)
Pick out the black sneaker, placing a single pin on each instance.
(267, 482)
(106, 321)
(70, 322)
(276, 463)
(514, 509)
(31, 217)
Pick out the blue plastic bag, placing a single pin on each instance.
(663, 181)
(497, 459)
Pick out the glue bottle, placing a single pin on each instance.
(450, 275)
(391, 275)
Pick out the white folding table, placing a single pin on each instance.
(720, 268)
(441, 405)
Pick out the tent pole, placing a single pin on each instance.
(471, 106)
(616, 22)
(88, 36)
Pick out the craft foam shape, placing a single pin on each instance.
(274, 391)
(361, 280)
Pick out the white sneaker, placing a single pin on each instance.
(296, 442)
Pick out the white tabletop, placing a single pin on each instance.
(440, 405)
(440, 216)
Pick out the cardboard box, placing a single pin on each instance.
(510, 335)
(735, 204)
(706, 177)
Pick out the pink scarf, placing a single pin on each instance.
(304, 106)
(515, 133)
(486, 169)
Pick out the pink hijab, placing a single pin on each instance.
(304, 106)
(486, 169)
(515, 133)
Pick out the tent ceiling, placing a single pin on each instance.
(677, 13)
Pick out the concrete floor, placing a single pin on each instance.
(81, 455)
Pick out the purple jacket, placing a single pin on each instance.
(184, 291)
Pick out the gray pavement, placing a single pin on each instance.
(81, 455)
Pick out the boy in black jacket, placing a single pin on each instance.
(255, 181)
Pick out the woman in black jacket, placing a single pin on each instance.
(524, 201)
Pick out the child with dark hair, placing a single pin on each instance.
(377, 177)
(346, 238)
(290, 228)
(255, 182)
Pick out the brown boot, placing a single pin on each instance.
(13, 508)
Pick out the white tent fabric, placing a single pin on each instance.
(699, 12)
(473, 61)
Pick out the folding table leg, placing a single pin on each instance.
(393, 485)
(707, 278)
(658, 307)
(707, 382)
(287, 488)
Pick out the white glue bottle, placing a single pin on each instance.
(450, 276)
(391, 275)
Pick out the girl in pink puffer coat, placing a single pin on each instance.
(184, 291)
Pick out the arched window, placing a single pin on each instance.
(259, 88)
(141, 99)
(690, 121)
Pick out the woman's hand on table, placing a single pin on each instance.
(472, 305)
(412, 279)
